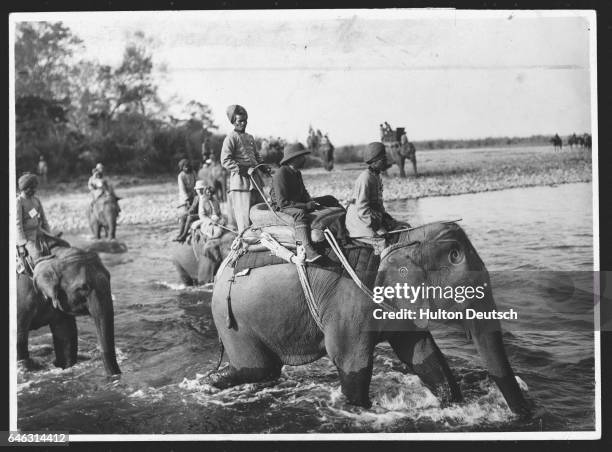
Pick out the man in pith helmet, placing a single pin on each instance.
(366, 217)
(290, 196)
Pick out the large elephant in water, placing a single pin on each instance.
(273, 325)
(73, 283)
(197, 263)
(103, 214)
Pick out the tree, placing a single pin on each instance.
(43, 89)
(43, 51)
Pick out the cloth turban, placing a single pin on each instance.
(234, 110)
(27, 180)
(374, 151)
(181, 163)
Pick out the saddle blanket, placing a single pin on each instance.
(361, 258)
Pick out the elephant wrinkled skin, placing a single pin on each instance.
(273, 325)
(73, 283)
(197, 264)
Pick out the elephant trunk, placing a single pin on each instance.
(490, 346)
(487, 337)
(101, 309)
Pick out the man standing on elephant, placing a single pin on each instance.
(239, 156)
(186, 187)
(31, 220)
(290, 196)
(366, 217)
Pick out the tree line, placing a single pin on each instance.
(76, 112)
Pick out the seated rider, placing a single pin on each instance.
(186, 183)
(289, 195)
(98, 184)
(31, 221)
(209, 212)
(366, 217)
(204, 213)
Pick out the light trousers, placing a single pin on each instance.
(241, 202)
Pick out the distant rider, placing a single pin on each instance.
(99, 186)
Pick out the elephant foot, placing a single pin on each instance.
(63, 364)
(367, 403)
(446, 396)
(356, 385)
(30, 364)
(230, 376)
(224, 378)
(113, 378)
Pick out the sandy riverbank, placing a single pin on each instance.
(441, 173)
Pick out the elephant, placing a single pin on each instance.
(197, 264)
(215, 176)
(400, 153)
(558, 143)
(327, 154)
(103, 213)
(73, 283)
(272, 326)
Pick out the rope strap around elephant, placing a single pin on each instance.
(307, 289)
(347, 266)
(279, 250)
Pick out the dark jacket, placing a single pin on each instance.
(288, 188)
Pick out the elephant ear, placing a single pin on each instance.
(47, 281)
(396, 268)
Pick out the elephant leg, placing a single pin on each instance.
(184, 275)
(65, 340)
(414, 166)
(250, 362)
(419, 351)
(22, 345)
(400, 163)
(353, 359)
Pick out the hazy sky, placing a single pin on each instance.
(440, 74)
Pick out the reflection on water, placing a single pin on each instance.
(167, 341)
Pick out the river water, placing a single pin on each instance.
(166, 341)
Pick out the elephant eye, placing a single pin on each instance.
(455, 256)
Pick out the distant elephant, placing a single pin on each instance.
(273, 153)
(197, 264)
(73, 283)
(326, 150)
(216, 176)
(558, 143)
(103, 214)
(273, 325)
(401, 153)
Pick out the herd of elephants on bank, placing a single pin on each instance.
(271, 325)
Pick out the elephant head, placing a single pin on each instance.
(440, 255)
(77, 283)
